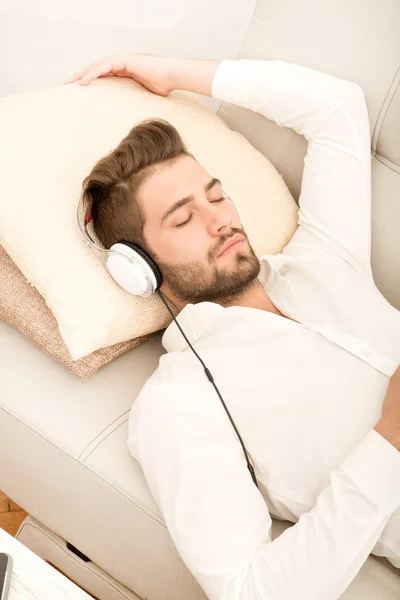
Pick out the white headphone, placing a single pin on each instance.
(128, 264)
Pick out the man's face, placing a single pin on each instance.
(187, 254)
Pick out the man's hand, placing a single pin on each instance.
(389, 425)
(158, 74)
(153, 72)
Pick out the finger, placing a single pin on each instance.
(82, 72)
(74, 77)
(101, 70)
(70, 80)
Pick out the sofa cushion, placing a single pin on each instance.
(50, 141)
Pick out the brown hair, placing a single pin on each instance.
(111, 187)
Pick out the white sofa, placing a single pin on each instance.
(63, 452)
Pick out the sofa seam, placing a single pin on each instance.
(248, 30)
(383, 112)
(73, 557)
(386, 112)
(239, 54)
(102, 432)
(119, 491)
(383, 160)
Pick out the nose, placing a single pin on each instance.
(219, 220)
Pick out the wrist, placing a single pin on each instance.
(387, 432)
(193, 75)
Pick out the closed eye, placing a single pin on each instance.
(190, 218)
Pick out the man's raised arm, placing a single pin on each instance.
(331, 113)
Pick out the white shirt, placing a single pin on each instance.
(305, 395)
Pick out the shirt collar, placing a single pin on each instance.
(195, 319)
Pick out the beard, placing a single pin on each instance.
(196, 281)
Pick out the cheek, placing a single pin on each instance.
(184, 244)
(169, 248)
(194, 245)
(188, 245)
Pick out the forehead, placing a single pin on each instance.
(171, 182)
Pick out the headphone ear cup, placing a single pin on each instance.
(153, 266)
(133, 269)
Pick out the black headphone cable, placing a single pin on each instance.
(211, 379)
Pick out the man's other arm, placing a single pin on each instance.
(196, 471)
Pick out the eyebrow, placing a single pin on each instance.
(184, 201)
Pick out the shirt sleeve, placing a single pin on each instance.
(197, 474)
(331, 113)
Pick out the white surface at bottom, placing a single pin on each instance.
(33, 578)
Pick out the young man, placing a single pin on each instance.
(302, 345)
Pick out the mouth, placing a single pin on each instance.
(230, 245)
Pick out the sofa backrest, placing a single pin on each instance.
(358, 41)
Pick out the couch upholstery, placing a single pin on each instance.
(63, 453)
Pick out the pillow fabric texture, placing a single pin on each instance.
(23, 307)
(49, 141)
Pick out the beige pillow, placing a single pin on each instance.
(49, 141)
(22, 306)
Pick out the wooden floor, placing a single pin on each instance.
(11, 517)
